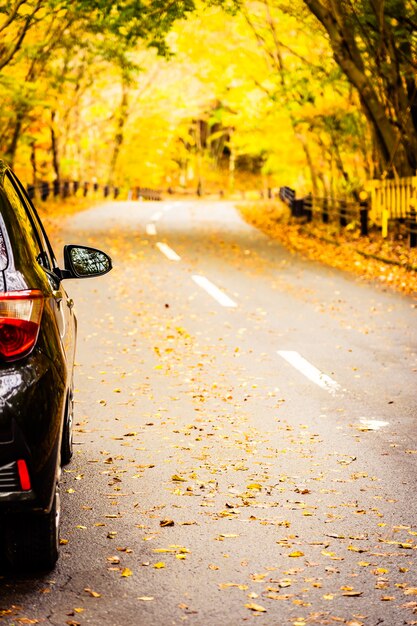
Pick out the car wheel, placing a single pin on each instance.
(32, 540)
(67, 435)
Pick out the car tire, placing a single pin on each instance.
(67, 435)
(32, 539)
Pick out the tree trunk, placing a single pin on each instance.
(10, 154)
(34, 164)
(55, 149)
(313, 172)
(122, 116)
(395, 148)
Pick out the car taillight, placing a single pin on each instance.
(24, 477)
(20, 316)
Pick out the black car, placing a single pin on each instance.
(37, 346)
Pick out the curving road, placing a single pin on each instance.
(245, 442)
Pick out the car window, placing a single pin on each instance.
(36, 220)
(32, 236)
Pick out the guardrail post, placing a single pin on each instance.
(412, 224)
(44, 191)
(364, 212)
(297, 207)
(343, 213)
(385, 219)
(308, 207)
(325, 211)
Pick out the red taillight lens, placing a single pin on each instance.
(24, 477)
(20, 316)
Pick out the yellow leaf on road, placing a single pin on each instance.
(256, 607)
(126, 572)
(296, 554)
(228, 535)
(411, 591)
(356, 549)
(352, 594)
(162, 550)
(92, 593)
(229, 585)
(166, 522)
(178, 479)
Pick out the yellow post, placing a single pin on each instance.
(385, 217)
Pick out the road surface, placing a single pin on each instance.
(246, 442)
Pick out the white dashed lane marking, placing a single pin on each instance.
(214, 291)
(151, 229)
(310, 371)
(168, 252)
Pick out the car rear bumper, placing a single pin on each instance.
(32, 403)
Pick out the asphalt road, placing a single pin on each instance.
(245, 442)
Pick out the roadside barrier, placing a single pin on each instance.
(350, 213)
(45, 190)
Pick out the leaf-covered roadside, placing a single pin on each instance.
(391, 263)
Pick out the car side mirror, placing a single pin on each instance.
(85, 262)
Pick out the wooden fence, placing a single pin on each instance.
(380, 204)
(391, 200)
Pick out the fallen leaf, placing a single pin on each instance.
(166, 522)
(255, 607)
(126, 572)
(163, 550)
(92, 593)
(229, 585)
(356, 549)
(228, 535)
(411, 591)
(352, 594)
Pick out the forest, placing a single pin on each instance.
(220, 95)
